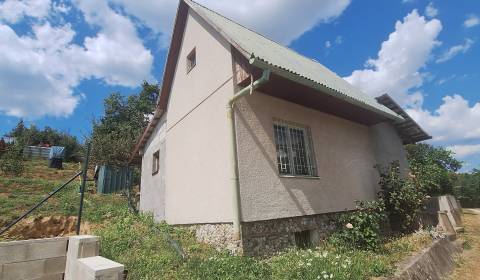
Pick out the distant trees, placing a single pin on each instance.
(467, 188)
(33, 136)
(115, 134)
(433, 168)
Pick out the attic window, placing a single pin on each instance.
(191, 60)
(155, 162)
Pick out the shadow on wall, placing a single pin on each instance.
(259, 128)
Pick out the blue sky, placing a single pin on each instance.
(60, 59)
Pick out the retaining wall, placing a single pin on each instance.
(69, 258)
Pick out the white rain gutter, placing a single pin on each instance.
(235, 185)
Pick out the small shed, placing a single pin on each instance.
(112, 179)
(55, 157)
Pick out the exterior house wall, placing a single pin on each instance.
(343, 152)
(388, 146)
(197, 176)
(152, 191)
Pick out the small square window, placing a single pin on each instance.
(155, 162)
(303, 239)
(191, 60)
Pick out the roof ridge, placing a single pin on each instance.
(251, 30)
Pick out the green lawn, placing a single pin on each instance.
(146, 250)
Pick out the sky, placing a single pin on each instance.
(59, 59)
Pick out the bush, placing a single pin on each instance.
(361, 228)
(11, 162)
(403, 198)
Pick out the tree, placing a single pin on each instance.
(115, 134)
(33, 136)
(467, 188)
(433, 168)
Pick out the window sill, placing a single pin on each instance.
(299, 177)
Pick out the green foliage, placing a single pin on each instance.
(433, 167)
(33, 136)
(361, 228)
(403, 198)
(11, 162)
(467, 188)
(116, 133)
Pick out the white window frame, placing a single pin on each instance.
(155, 162)
(292, 165)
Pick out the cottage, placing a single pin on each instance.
(256, 146)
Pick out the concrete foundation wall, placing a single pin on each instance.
(344, 157)
(152, 186)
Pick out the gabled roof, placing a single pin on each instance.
(292, 65)
(409, 130)
(262, 53)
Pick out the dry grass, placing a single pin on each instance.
(468, 265)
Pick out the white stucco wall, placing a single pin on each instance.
(344, 156)
(152, 190)
(197, 133)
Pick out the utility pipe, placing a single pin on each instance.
(233, 148)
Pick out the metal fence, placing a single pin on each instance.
(111, 179)
(36, 152)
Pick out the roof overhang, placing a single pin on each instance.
(409, 130)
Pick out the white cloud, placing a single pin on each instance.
(281, 20)
(455, 50)
(463, 151)
(453, 121)
(12, 11)
(39, 71)
(397, 69)
(471, 21)
(431, 11)
(328, 44)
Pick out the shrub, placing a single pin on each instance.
(361, 228)
(403, 198)
(11, 162)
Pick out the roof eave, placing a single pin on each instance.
(260, 63)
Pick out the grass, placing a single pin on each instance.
(143, 247)
(148, 251)
(18, 194)
(467, 264)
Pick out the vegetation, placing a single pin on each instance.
(144, 247)
(403, 198)
(33, 136)
(19, 193)
(115, 134)
(11, 162)
(361, 228)
(433, 168)
(467, 188)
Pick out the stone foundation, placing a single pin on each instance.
(262, 238)
(268, 237)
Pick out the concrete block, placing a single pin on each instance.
(35, 249)
(33, 269)
(80, 246)
(99, 268)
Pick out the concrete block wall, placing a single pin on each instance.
(33, 259)
(69, 258)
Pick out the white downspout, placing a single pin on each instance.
(233, 149)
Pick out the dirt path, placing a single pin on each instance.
(469, 262)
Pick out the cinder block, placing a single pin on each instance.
(99, 268)
(35, 249)
(80, 246)
(33, 269)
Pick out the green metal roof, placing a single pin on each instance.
(288, 63)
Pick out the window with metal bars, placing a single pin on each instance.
(294, 150)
